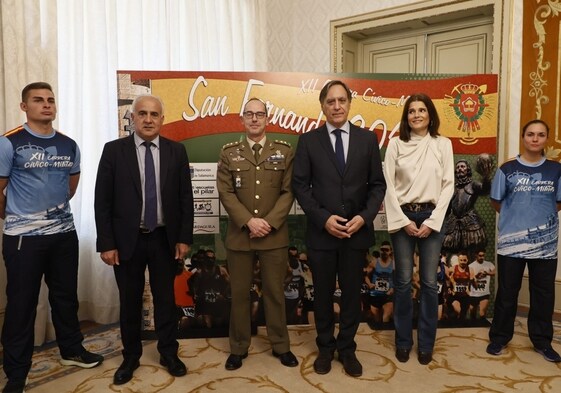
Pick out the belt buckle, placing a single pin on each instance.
(413, 207)
(145, 230)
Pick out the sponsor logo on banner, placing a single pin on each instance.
(206, 207)
(381, 222)
(203, 170)
(204, 189)
(206, 225)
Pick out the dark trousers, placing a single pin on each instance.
(328, 266)
(542, 299)
(28, 259)
(152, 250)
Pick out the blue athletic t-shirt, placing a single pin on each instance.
(38, 168)
(528, 221)
(382, 279)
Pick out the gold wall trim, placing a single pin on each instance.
(541, 15)
(541, 67)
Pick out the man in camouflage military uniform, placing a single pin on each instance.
(254, 183)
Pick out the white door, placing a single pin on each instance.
(465, 51)
(456, 51)
(394, 55)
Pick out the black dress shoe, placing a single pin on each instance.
(174, 365)
(234, 361)
(125, 371)
(287, 359)
(351, 365)
(402, 354)
(425, 357)
(322, 364)
(15, 386)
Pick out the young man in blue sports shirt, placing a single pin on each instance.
(39, 173)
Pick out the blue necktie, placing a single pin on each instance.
(339, 151)
(150, 195)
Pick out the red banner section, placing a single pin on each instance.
(200, 104)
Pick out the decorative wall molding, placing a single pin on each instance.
(541, 68)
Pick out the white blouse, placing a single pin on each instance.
(418, 171)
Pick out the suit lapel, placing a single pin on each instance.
(246, 152)
(266, 152)
(354, 143)
(165, 154)
(129, 153)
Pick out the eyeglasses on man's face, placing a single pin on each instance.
(249, 115)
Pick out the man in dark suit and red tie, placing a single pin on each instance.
(338, 182)
(144, 217)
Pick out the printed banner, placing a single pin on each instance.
(199, 105)
(202, 111)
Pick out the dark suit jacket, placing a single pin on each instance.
(118, 196)
(322, 191)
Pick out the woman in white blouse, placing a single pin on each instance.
(419, 171)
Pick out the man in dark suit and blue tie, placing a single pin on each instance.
(144, 217)
(338, 182)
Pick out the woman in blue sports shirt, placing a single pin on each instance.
(526, 193)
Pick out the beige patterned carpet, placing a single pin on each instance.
(460, 365)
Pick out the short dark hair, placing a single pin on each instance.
(293, 263)
(468, 166)
(434, 120)
(329, 85)
(34, 86)
(260, 100)
(535, 121)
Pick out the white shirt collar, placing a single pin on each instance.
(139, 141)
(346, 127)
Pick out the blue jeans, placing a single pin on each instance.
(429, 256)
